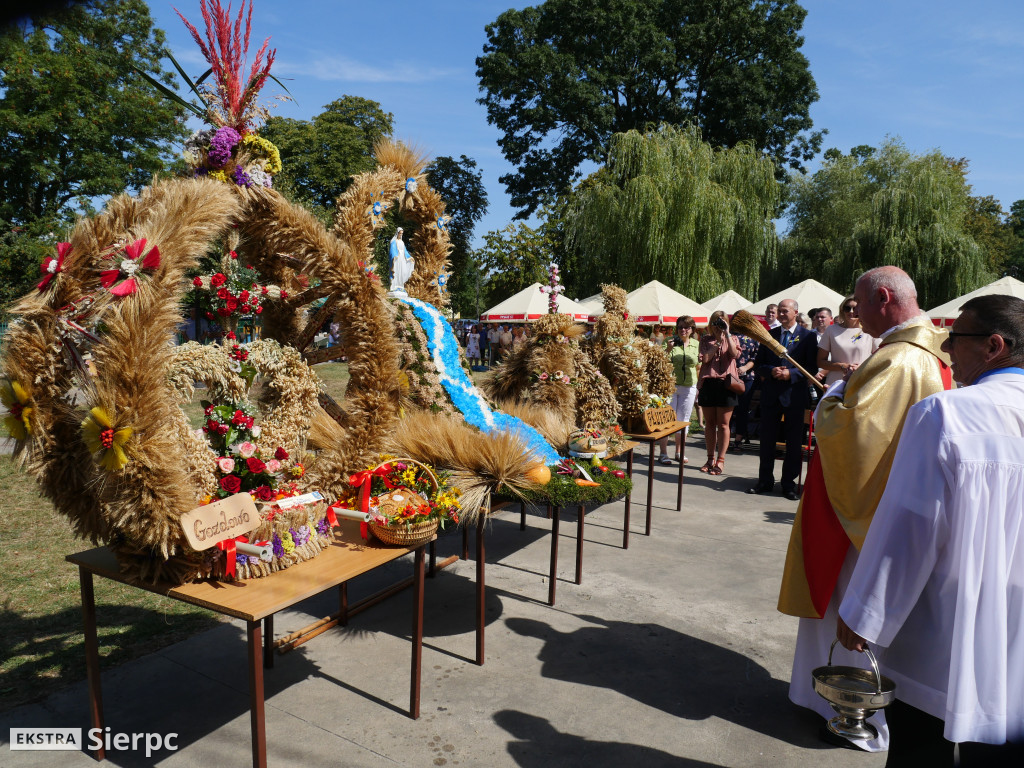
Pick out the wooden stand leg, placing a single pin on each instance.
(417, 636)
(650, 490)
(92, 655)
(554, 557)
(433, 559)
(625, 519)
(549, 512)
(522, 516)
(268, 642)
(579, 544)
(480, 585)
(679, 486)
(256, 713)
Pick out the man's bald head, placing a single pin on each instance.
(886, 297)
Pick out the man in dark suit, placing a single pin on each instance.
(784, 393)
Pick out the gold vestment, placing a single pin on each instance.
(857, 435)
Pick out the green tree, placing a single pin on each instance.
(890, 206)
(512, 259)
(320, 156)
(461, 187)
(77, 121)
(1014, 224)
(668, 206)
(562, 77)
(986, 223)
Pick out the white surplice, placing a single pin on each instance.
(939, 584)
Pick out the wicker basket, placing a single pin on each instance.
(404, 534)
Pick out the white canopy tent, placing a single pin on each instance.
(809, 294)
(529, 305)
(657, 304)
(593, 304)
(729, 302)
(945, 314)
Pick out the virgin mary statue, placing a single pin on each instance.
(402, 263)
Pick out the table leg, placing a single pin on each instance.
(650, 489)
(268, 642)
(625, 519)
(481, 586)
(579, 544)
(522, 516)
(433, 559)
(417, 636)
(92, 655)
(256, 713)
(679, 486)
(343, 603)
(554, 557)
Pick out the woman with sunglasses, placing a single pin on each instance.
(844, 347)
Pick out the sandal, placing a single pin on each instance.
(708, 466)
(716, 469)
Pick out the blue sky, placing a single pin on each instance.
(942, 74)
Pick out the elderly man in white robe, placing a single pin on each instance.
(402, 263)
(939, 585)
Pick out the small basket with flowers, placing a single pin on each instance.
(407, 500)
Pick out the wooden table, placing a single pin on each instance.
(256, 601)
(653, 437)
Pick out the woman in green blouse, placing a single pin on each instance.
(684, 354)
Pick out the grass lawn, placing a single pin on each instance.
(41, 646)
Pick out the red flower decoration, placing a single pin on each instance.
(52, 266)
(233, 255)
(129, 266)
(231, 483)
(281, 454)
(218, 280)
(256, 466)
(265, 493)
(197, 282)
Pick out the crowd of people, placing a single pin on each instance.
(909, 533)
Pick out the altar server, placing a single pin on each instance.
(939, 586)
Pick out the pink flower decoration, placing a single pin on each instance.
(134, 262)
(273, 466)
(52, 266)
(247, 450)
(226, 465)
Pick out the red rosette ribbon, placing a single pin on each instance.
(364, 480)
(228, 546)
(133, 251)
(51, 267)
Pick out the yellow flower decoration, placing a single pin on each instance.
(218, 176)
(102, 437)
(18, 404)
(265, 149)
(287, 542)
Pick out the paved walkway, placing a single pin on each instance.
(670, 653)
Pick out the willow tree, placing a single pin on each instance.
(888, 206)
(669, 206)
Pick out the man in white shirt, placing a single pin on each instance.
(493, 342)
(939, 584)
(771, 313)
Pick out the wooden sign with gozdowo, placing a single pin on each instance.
(225, 519)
